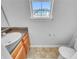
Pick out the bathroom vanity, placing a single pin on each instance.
(22, 48)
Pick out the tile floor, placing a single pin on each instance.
(43, 53)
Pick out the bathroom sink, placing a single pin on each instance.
(10, 38)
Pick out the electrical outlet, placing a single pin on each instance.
(49, 34)
(52, 35)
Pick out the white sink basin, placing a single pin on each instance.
(11, 38)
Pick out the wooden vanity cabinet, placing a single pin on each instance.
(21, 54)
(16, 50)
(26, 42)
(22, 49)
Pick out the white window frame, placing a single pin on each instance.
(42, 17)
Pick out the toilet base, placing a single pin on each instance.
(60, 57)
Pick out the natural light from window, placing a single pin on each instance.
(41, 8)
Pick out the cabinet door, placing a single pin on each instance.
(21, 54)
(26, 41)
(25, 36)
(27, 45)
(16, 50)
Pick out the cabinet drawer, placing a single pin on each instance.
(21, 54)
(16, 50)
(26, 36)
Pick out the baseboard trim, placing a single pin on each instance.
(45, 46)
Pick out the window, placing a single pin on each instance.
(41, 8)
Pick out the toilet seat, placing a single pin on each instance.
(66, 52)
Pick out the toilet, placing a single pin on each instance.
(68, 52)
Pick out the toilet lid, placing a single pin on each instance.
(66, 52)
